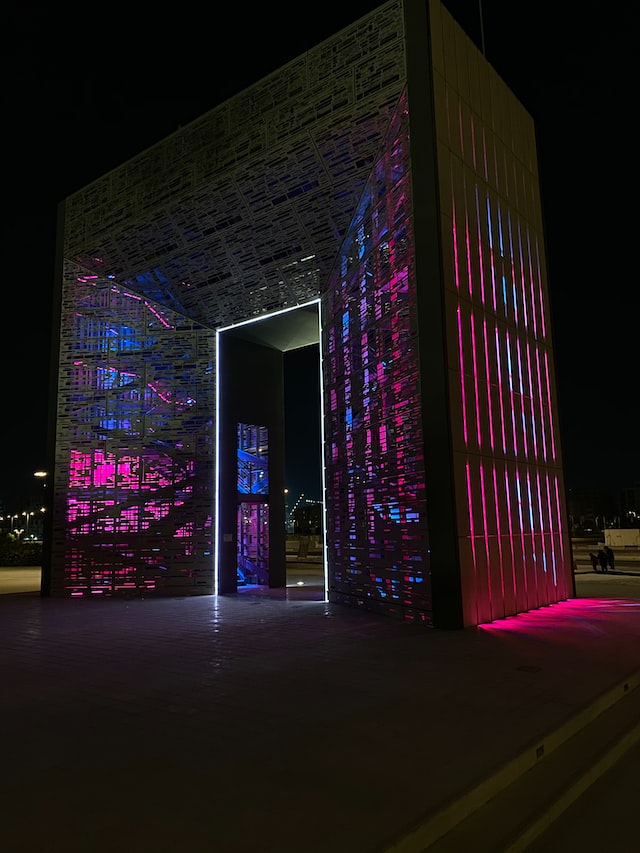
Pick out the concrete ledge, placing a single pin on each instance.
(572, 756)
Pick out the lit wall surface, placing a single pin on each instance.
(304, 187)
(134, 462)
(376, 511)
(514, 552)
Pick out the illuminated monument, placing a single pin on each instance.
(377, 196)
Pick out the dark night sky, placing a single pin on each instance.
(86, 91)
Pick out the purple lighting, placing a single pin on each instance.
(376, 525)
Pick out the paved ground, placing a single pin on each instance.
(248, 724)
(604, 819)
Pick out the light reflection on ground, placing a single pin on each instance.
(595, 616)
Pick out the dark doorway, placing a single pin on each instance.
(266, 367)
(302, 423)
(303, 470)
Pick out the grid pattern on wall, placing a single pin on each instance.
(301, 188)
(242, 212)
(135, 456)
(511, 506)
(376, 514)
(235, 216)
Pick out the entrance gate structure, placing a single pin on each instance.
(387, 181)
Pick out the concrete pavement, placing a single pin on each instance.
(253, 723)
(16, 580)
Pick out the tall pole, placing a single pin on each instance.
(481, 27)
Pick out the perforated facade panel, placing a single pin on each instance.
(390, 174)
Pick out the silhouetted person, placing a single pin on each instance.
(603, 560)
(611, 558)
(594, 561)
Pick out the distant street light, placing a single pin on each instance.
(42, 475)
(286, 511)
(27, 515)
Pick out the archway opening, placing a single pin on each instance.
(269, 479)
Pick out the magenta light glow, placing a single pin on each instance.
(505, 396)
(376, 519)
(138, 512)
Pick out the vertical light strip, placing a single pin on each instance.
(547, 379)
(492, 260)
(532, 534)
(523, 288)
(216, 526)
(456, 267)
(531, 398)
(521, 528)
(323, 467)
(454, 226)
(485, 530)
(507, 192)
(474, 357)
(503, 277)
(552, 536)
(473, 145)
(511, 394)
(543, 322)
(496, 506)
(543, 431)
(551, 530)
(534, 312)
(467, 243)
(503, 428)
(523, 414)
(472, 535)
(556, 486)
(512, 269)
(487, 371)
(479, 243)
(541, 515)
(512, 547)
(463, 392)
(484, 156)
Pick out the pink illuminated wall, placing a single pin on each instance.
(513, 543)
(511, 551)
(376, 514)
(389, 174)
(135, 409)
